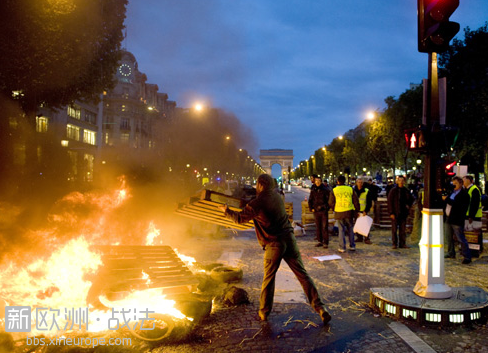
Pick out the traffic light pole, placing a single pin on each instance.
(431, 283)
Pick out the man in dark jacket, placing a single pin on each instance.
(275, 235)
(318, 203)
(399, 202)
(456, 207)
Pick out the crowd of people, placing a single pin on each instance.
(462, 206)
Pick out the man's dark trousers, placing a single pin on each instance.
(287, 250)
(322, 226)
(400, 223)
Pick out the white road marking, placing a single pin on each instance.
(414, 341)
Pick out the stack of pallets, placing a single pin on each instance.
(204, 207)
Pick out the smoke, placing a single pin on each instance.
(40, 214)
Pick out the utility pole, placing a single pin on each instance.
(435, 32)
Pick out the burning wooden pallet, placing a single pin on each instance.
(129, 268)
(204, 207)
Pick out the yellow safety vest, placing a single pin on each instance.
(479, 213)
(343, 196)
(362, 200)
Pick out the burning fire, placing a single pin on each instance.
(60, 281)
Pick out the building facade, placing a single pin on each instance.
(128, 119)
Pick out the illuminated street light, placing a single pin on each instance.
(370, 116)
(341, 137)
(198, 107)
(227, 137)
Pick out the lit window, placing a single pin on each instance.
(124, 137)
(74, 111)
(73, 132)
(89, 137)
(41, 124)
(123, 108)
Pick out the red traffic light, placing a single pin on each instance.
(434, 28)
(449, 168)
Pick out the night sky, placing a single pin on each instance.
(298, 72)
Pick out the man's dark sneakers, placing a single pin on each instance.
(318, 245)
(404, 247)
(448, 256)
(325, 316)
(394, 247)
(367, 241)
(466, 261)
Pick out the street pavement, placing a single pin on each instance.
(344, 285)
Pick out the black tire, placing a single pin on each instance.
(226, 274)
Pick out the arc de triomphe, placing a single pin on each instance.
(282, 157)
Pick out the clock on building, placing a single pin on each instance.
(125, 73)
(125, 70)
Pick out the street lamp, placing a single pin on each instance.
(370, 116)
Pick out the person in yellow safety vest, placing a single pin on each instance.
(344, 201)
(365, 203)
(475, 211)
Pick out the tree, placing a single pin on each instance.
(54, 52)
(465, 65)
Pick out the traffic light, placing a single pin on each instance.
(444, 174)
(435, 29)
(416, 139)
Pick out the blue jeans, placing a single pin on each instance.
(452, 230)
(346, 228)
(288, 251)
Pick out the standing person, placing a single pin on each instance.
(327, 186)
(345, 204)
(318, 203)
(475, 209)
(275, 234)
(457, 204)
(365, 202)
(399, 202)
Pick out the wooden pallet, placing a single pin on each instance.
(204, 207)
(129, 268)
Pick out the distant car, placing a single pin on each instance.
(306, 184)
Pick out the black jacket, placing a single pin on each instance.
(459, 207)
(268, 212)
(399, 202)
(319, 198)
